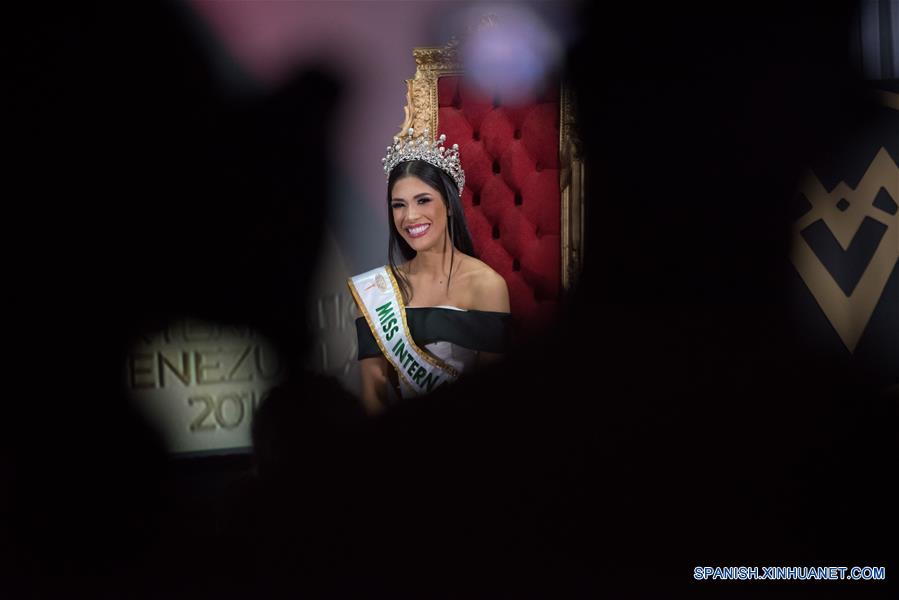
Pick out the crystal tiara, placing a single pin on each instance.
(408, 148)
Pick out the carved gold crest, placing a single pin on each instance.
(843, 209)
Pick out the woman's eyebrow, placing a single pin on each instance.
(416, 197)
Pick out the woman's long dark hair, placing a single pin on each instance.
(456, 226)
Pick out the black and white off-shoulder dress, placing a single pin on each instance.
(452, 334)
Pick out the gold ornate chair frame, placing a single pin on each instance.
(421, 112)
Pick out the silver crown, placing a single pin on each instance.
(410, 148)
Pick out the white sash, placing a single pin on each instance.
(378, 296)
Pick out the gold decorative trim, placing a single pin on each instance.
(371, 325)
(431, 63)
(888, 99)
(435, 362)
(421, 112)
(850, 314)
(571, 182)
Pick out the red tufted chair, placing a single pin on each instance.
(518, 196)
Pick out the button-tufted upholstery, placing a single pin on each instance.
(512, 199)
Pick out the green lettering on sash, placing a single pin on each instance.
(390, 323)
(430, 381)
(400, 350)
(418, 373)
(384, 312)
(412, 368)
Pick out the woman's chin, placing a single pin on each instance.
(419, 244)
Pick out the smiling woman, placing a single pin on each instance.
(458, 307)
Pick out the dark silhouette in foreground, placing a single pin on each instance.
(673, 418)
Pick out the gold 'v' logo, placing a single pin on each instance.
(843, 210)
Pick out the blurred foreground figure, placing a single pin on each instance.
(673, 419)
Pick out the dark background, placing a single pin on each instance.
(677, 417)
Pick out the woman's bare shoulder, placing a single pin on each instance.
(474, 267)
(489, 291)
